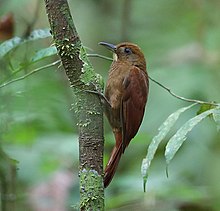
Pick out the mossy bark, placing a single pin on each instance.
(87, 106)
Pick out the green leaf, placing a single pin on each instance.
(8, 45)
(177, 140)
(44, 53)
(216, 117)
(38, 34)
(163, 130)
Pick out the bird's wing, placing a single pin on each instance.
(134, 99)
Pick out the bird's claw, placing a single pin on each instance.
(101, 95)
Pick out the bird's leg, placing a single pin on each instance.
(101, 95)
(104, 100)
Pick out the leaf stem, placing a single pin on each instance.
(110, 59)
(99, 56)
(30, 73)
(180, 97)
(163, 86)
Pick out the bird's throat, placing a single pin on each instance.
(115, 57)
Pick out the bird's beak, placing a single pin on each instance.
(109, 46)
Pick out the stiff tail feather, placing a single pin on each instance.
(112, 164)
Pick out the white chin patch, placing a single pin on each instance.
(115, 57)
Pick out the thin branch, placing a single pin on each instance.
(44, 67)
(30, 25)
(180, 97)
(110, 59)
(30, 73)
(126, 19)
(166, 88)
(99, 56)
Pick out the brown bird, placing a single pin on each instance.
(126, 92)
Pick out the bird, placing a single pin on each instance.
(126, 92)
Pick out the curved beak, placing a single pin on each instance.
(109, 46)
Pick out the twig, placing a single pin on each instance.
(30, 25)
(30, 73)
(166, 88)
(110, 59)
(180, 97)
(126, 19)
(99, 56)
(44, 67)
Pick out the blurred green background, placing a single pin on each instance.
(181, 42)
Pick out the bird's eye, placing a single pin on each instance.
(127, 51)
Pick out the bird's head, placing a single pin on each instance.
(127, 52)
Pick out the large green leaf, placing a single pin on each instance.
(177, 140)
(216, 117)
(163, 130)
(39, 34)
(8, 45)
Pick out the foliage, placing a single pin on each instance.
(163, 130)
(181, 43)
(176, 141)
(9, 45)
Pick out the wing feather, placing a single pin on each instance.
(134, 99)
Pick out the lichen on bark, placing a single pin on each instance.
(87, 106)
(89, 187)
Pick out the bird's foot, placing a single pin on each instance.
(101, 95)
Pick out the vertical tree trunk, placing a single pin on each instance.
(87, 106)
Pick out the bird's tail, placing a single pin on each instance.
(113, 161)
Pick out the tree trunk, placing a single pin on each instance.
(87, 106)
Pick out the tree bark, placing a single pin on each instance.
(87, 106)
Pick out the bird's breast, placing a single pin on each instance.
(114, 86)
